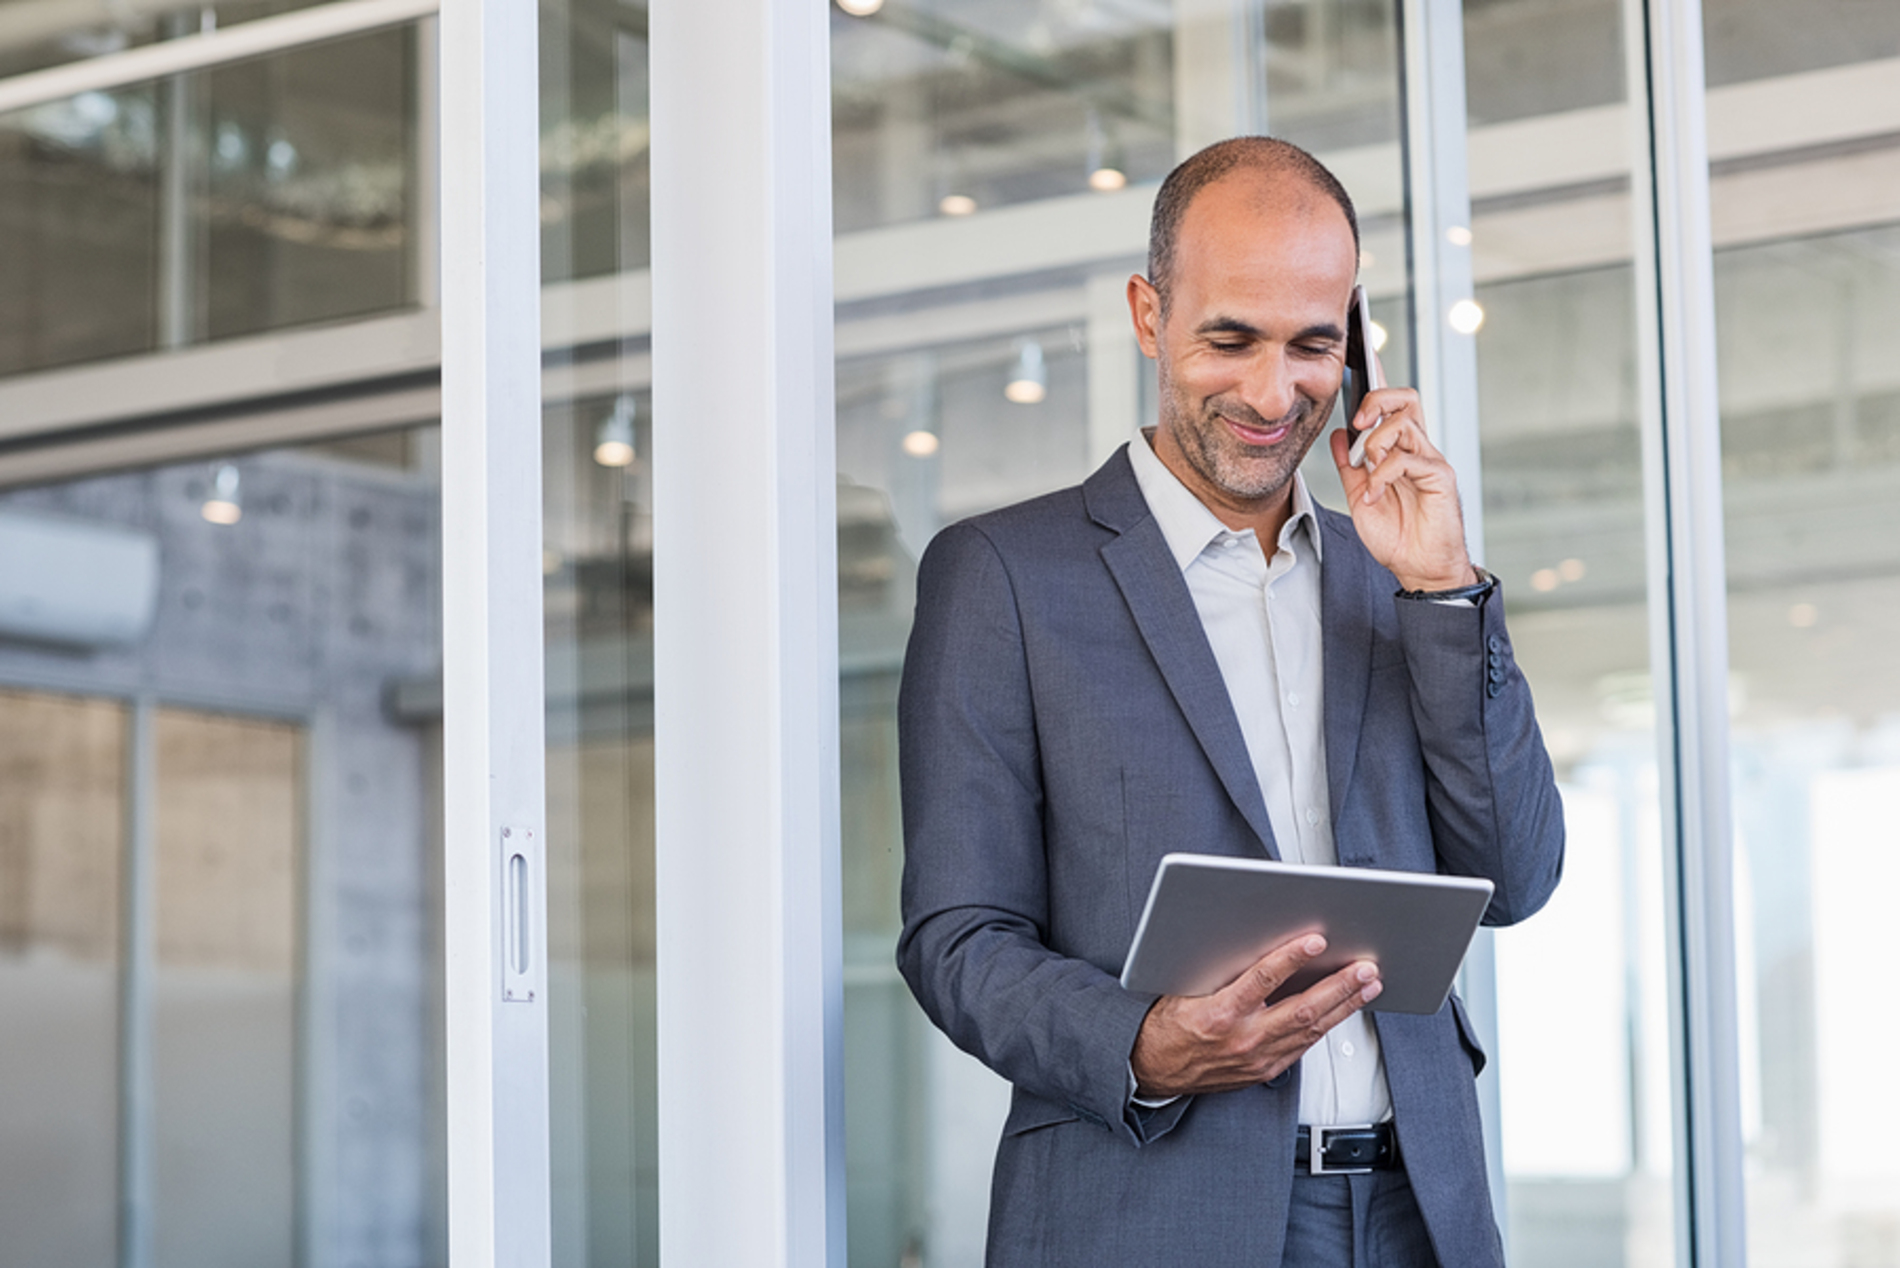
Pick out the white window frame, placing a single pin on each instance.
(751, 998)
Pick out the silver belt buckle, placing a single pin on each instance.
(1316, 1144)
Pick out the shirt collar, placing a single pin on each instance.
(1186, 523)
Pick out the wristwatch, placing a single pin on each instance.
(1472, 593)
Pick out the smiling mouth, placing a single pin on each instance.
(1250, 434)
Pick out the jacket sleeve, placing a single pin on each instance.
(1490, 792)
(974, 948)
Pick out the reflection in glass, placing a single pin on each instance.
(244, 956)
(79, 215)
(599, 611)
(243, 199)
(597, 557)
(1583, 1021)
(36, 36)
(224, 1014)
(301, 172)
(1811, 469)
(62, 823)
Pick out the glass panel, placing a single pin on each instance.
(1754, 39)
(1807, 267)
(224, 1015)
(280, 612)
(62, 843)
(36, 34)
(1584, 1074)
(248, 198)
(594, 160)
(994, 167)
(302, 172)
(598, 554)
(79, 216)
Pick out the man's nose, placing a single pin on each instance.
(1269, 388)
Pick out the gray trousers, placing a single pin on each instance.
(1358, 1221)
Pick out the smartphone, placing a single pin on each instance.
(1362, 371)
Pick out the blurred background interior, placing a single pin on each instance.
(220, 700)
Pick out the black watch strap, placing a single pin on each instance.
(1476, 590)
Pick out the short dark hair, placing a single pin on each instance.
(1242, 153)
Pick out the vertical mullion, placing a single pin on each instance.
(138, 955)
(1438, 201)
(317, 1102)
(493, 708)
(745, 637)
(1688, 614)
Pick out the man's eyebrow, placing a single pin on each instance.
(1235, 326)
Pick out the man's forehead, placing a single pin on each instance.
(1251, 198)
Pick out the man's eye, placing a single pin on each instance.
(1228, 346)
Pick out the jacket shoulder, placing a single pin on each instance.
(1052, 526)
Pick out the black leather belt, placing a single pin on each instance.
(1346, 1150)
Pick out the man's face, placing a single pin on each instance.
(1252, 347)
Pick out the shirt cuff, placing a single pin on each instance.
(1145, 1102)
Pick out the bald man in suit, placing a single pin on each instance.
(1186, 652)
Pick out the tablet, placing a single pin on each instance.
(1209, 917)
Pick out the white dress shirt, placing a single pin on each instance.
(1262, 617)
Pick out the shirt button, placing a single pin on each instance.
(1293, 698)
(1312, 815)
(1346, 1047)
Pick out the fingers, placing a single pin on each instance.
(1233, 1039)
(1294, 1025)
(1270, 972)
(1397, 447)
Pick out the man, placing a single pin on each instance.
(1186, 654)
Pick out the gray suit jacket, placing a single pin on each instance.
(1063, 725)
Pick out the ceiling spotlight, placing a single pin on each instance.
(1572, 569)
(956, 204)
(1379, 336)
(1458, 236)
(613, 441)
(1105, 163)
(921, 443)
(1803, 616)
(223, 507)
(1544, 580)
(1028, 378)
(1466, 316)
(860, 8)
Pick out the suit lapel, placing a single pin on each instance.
(1344, 582)
(1157, 596)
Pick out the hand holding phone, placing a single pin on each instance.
(1362, 372)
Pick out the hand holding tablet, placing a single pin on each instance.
(1211, 918)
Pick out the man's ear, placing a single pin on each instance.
(1144, 305)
